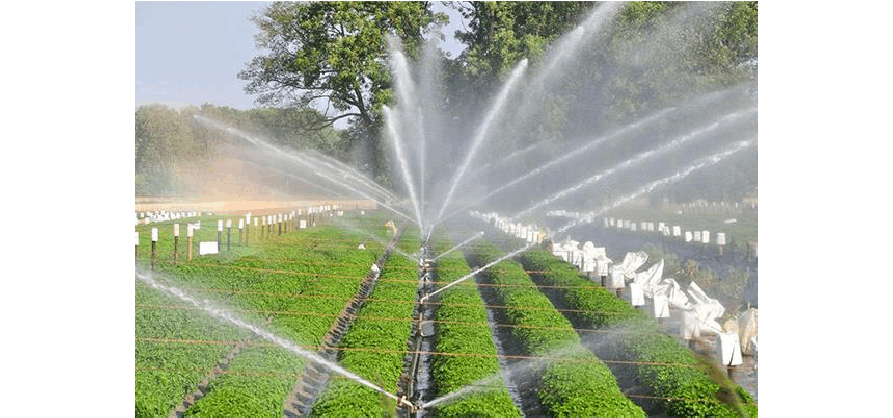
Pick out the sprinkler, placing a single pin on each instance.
(407, 403)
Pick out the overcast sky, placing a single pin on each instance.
(188, 53)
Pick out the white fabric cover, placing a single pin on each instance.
(661, 308)
(729, 349)
(637, 296)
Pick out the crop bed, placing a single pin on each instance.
(459, 312)
(299, 284)
(577, 384)
(293, 285)
(384, 339)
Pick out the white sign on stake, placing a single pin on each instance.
(721, 238)
(155, 234)
(729, 349)
(137, 238)
(661, 306)
(687, 236)
(691, 325)
(176, 230)
(241, 223)
(303, 224)
(705, 237)
(188, 230)
(637, 295)
(220, 225)
(207, 247)
(229, 223)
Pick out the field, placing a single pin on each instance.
(509, 346)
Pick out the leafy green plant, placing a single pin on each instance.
(345, 397)
(584, 387)
(672, 372)
(277, 284)
(464, 304)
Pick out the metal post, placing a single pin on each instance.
(137, 247)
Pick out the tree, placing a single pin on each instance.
(162, 138)
(502, 33)
(334, 55)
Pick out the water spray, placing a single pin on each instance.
(303, 161)
(704, 162)
(407, 176)
(470, 275)
(284, 343)
(588, 147)
(638, 158)
(484, 129)
(479, 234)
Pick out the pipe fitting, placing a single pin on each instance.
(405, 402)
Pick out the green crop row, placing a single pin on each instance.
(685, 387)
(450, 373)
(579, 386)
(295, 298)
(601, 307)
(344, 397)
(167, 371)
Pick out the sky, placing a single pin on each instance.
(189, 53)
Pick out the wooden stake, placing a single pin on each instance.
(229, 233)
(732, 372)
(154, 242)
(189, 242)
(176, 239)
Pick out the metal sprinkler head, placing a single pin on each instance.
(405, 402)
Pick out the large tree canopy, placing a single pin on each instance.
(333, 54)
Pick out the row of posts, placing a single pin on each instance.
(701, 207)
(676, 231)
(261, 224)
